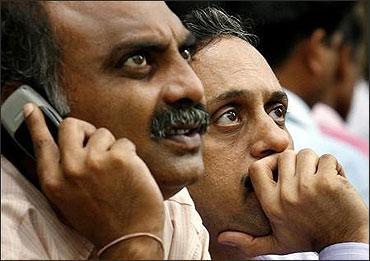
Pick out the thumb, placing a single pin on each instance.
(249, 245)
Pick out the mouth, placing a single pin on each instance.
(180, 126)
(184, 137)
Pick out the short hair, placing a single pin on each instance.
(29, 51)
(212, 23)
(280, 25)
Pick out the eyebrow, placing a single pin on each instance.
(229, 95)
(148, 45)
(189, 41)
(276, 96)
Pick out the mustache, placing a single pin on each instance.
(171, 117)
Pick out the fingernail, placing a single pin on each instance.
(228, 243)
(27, 109)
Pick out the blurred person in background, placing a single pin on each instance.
(358, 116)
(332, 110)
(302, 42)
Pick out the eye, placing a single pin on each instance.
(228, 118)
(136, 61)
(186, 54)
(137, 65)
(278, 113)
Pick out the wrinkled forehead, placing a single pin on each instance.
(105, 18)
(233, 63)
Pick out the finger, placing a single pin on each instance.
(73, 135)
(287, 168)
(328, 165)
(45, 148)
(249, 245)
(340, 170)
(101, 140)
(125, 150)
(306, 164)
(261, 174)
(124, 146)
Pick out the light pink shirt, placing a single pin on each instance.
(333, 125)
(31, 230)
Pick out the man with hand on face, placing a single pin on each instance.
(131, 143)
(294, 201)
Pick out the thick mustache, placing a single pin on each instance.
(176, 116)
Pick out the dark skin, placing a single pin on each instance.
(247, 138)
(121, 62)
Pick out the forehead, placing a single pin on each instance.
(105, 22)
(231, 63)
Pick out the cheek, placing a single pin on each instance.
(224, 169)
(123, 112)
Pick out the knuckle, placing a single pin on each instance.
(105, 132)
(71, 169)
(256, 166)
(307, 152)
(328, 158)
(52, 188)
(127, 144)
(329, 184)
(67, 122)
(305, 189)
(289, 199)
(286, 155)
(94, 161)
(118, 159)
(273, 213)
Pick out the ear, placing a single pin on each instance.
(320, 57)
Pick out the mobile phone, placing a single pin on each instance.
(13, 121)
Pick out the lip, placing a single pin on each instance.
(184, 142)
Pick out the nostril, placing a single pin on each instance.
(266, 153)
(185, 102)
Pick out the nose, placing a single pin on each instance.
(183, 84)
(269, 138)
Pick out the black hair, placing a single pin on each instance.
(29, 52)
(209, 22)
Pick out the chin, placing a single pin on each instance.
(171, 170)
(177, 173)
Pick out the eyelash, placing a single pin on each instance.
(226, 111)
(284, 111)
(121, 61)
(273, 108)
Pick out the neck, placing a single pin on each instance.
(293, 79)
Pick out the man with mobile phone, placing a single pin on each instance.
(130, 141)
